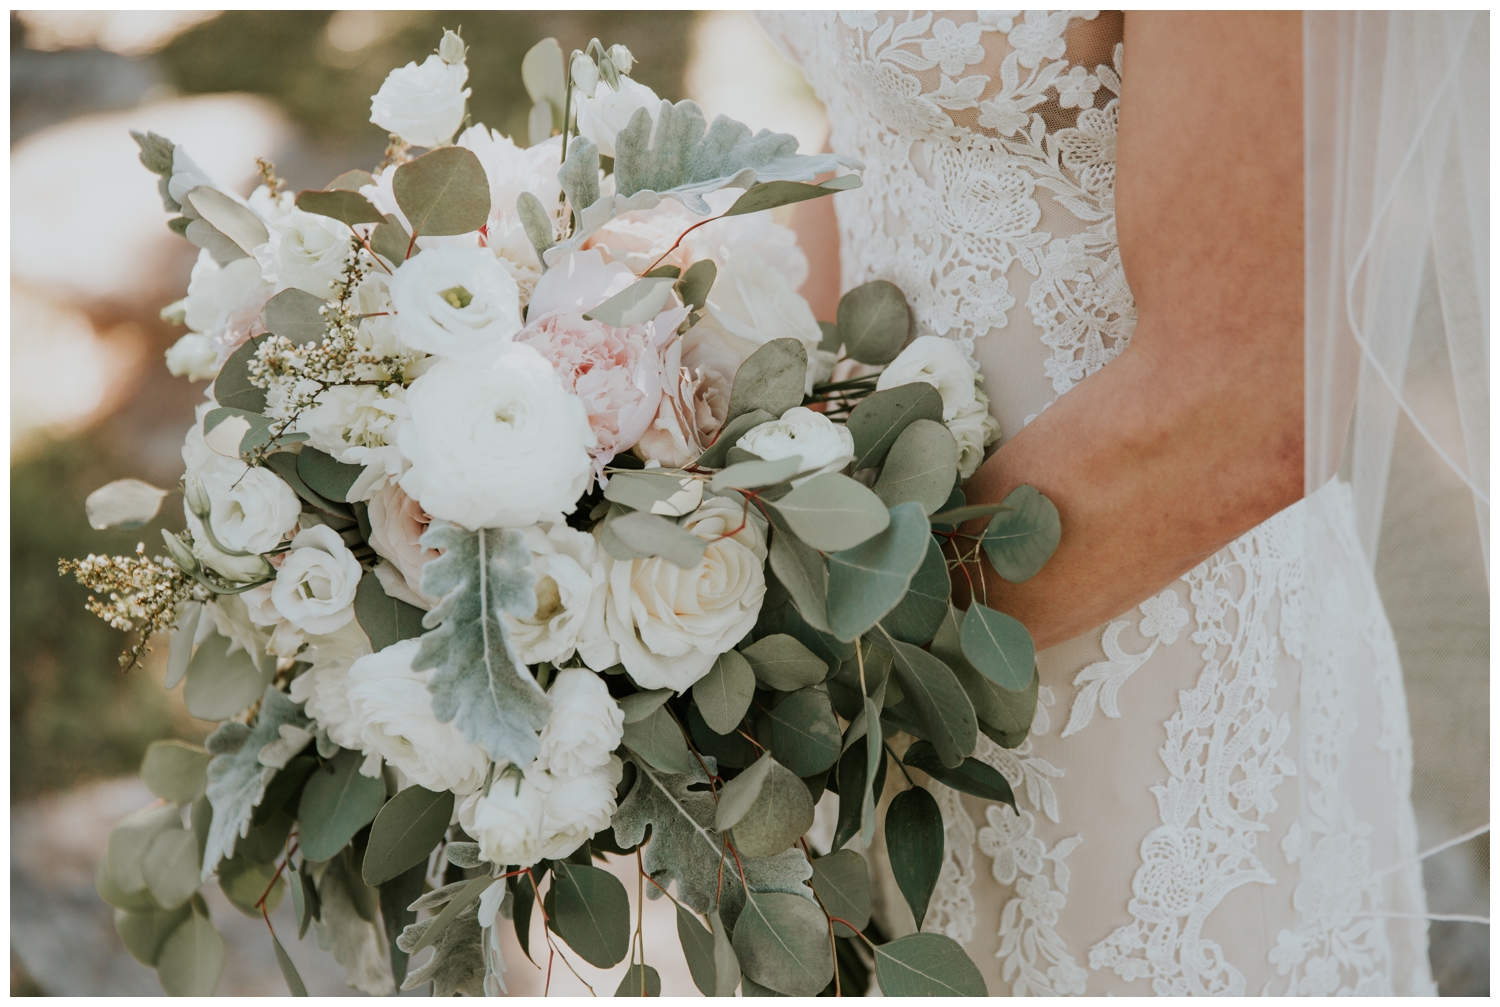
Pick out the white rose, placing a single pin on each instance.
(974, 429)
(669, 624)
(194, 357)
(393, 708)
(602, 116)
(323, 689)
(507, 821)
(585, 726)
(396, 526)
(939, 362)
(459, 303)
(751, 304)
(423, 105)
(502, 446)
(576, 807)
(306, 251)
(569, 594)
(823, 445)
(315, 586)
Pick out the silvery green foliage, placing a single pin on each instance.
(480, 684)
(682, 158)
(352, 936)
(237, 778)
(457, 963)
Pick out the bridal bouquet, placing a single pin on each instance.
(532, 517)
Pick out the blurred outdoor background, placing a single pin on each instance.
(91, 401)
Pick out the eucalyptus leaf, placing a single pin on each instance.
(175, 771)
(206, 236)
(642, 980)
(874, 322)
(726, 962)
(221, 684)
(724, 694)
(136, 901)
(733, 430)
(804, 732)
(640, 302)
(327, 476)
(920, 466)
(171, 867)
(639, 705)
(803, 571)
(927, 965)
(352, 180)
(782, 942)
(782, 663)
(183, 636)
(293, 313)
(730, 750)
(769, 195)
(232, 387)
(921, 610)
(938, 701)
(754, 474)
(738, 796)
(671, 490)
(698, 948)
(266, 839)
(405, 832)
(235, 221)
(344, 205)
(874, 769)
(245, 882)
(781, 813)
(656, 536)
(588, 908)
(336, 803)
(971, 777)
(955, 516)
(384, 619)
(831, 512)
(445, 191)
(882, 416)
(1022, 535)
(1003, 715)
(694, 286)
(659, 741)
(854, 779)
(294, 981)
(914, 839)
(192, 959)
(998, 646)
(867, 581)
(393, 241)
(143, 933)
(842, 882)
(772, 378)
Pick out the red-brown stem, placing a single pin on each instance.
(684, 234)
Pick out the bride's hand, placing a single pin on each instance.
(1193, 435)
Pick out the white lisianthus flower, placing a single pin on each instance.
(423, 105)
(585, 726)
(194, 357)
(324, 687)
(602, 115)
(306, 251)
(286, 639)
(507, 821)
(974, 429)
(502, 446)
(569, 586)
(393, 708)
(251, 509)
(315, 586)
(823, 445)
(751, 304)
(669, 624)
(939, 362)
(576, 807)
(459, 303)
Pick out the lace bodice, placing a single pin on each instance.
(1211, 801)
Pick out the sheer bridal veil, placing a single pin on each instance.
(1397, 407)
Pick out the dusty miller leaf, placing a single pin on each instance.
(352, 937)
(236, 778)
(457, 962)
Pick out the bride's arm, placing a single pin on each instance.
(1193, 435)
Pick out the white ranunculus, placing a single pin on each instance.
(602, 116)
(324, 687)
(459, 303)
(315, 586)
(393, 708)
(823, 445)
(569, 586)
(512, 170)
(751, 304)
(974, 429)
(669, 624)
(585, 726)
(576, 807)
(939, 362)
(423, 105)
(507, 821)
(353, 416)
(194, 356)
(224, 302)
(306, 251)
(502, 446)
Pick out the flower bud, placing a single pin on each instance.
(585, 74)
(197, 499)
(621, 58)
(452, 48)
(180, 553)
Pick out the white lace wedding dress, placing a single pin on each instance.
(1212, 801)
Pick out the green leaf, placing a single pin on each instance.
(457, 964)
(143, 933)
(444, 191)
(191, 959)
(336, 803)
(939, 702)
(780, 813)
(653, 490)
(728, 750)
(920, 612)
(640, 302)
(285, 785)
(175, 771)
(698, 948)
(407, 829)
(294, 314)
(754, 989)
(914, 838)
(867, 581)
(842, 882)
(927, 965)
(171, 867)
(955, 516)
(654, 535)
(579, 178)
(738, 795)
(236, 778)
(854, 779)
(304, 899)
(782, 942)
(882, 416)
(971, 777)
(221, 684)
(480, 683)
(643, 980)
(1022, 535)
(717, 452)
(466, 897)
(183, 635)
(640, 705)
(393, 241)
(343, 205)
(523, 898)
(921, 466)
(754, 474)
(384, 619)
(803, 571)
(659, 741)
(831, 512)
(769, 195)
(874, 322)
(138, 900)
(288, 970)
(236, 222)
(874, 768)
(536, 222)
(588, 908)
(695, 284)
(327, 476)
(232, 388)
(998, 646)
(352, 180)
(804, 732)
(266, 839)
(726, 962)
(782, 663)
(772, 378)
(831, 343)
(1003, 715)
(724, 694)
